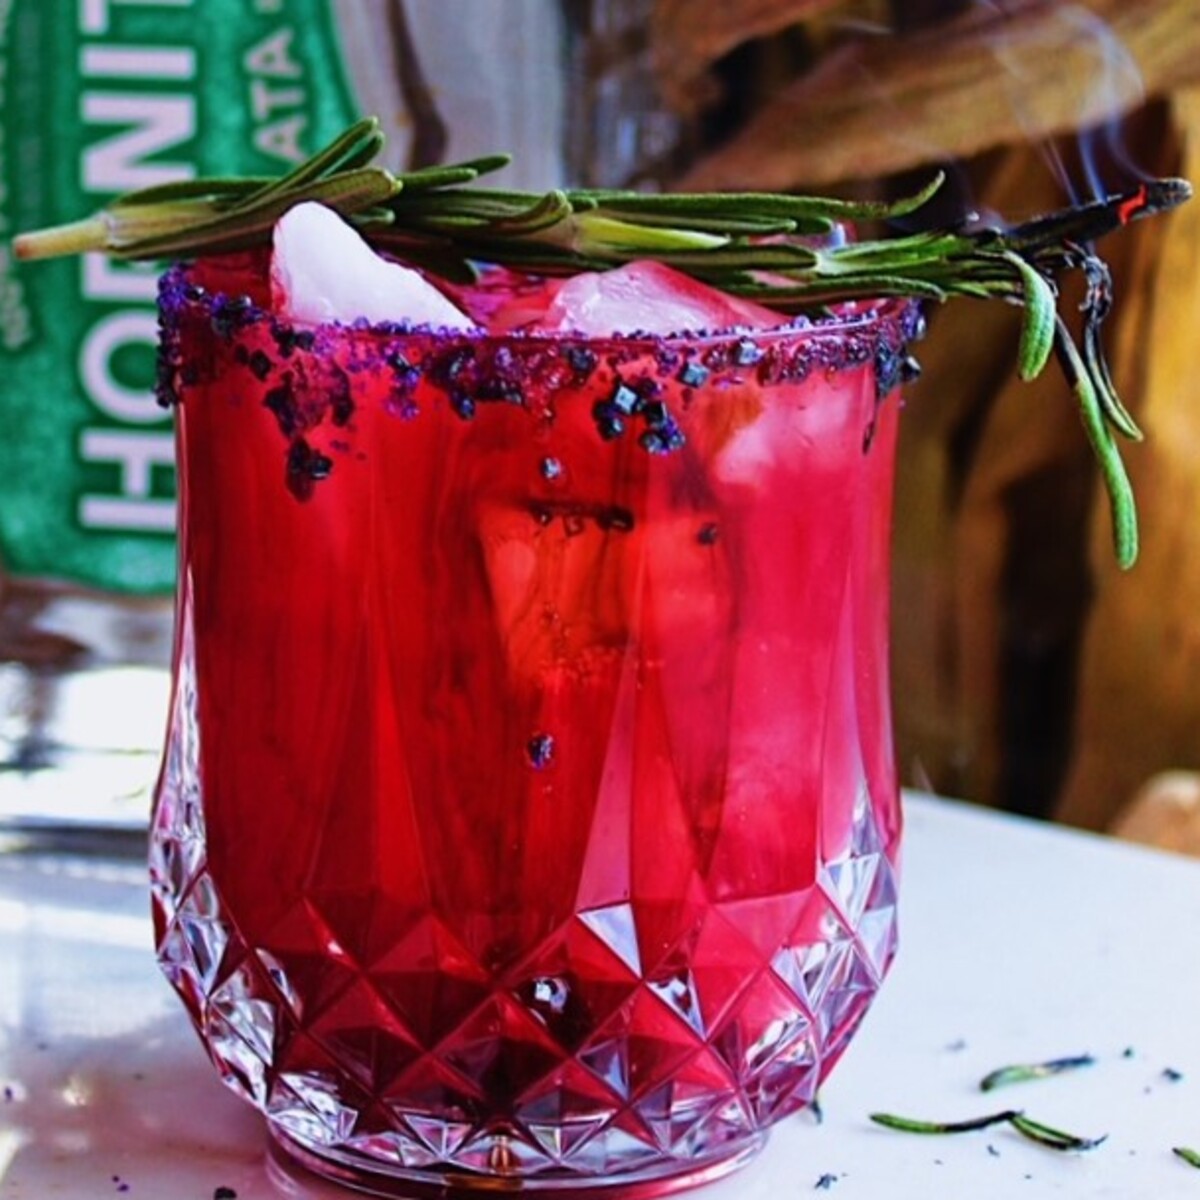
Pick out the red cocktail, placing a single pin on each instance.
(529, 812)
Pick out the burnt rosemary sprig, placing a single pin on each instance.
(781, 251)
(1035, 1131)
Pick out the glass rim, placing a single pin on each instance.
(887, 320)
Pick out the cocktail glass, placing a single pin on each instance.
(528, 816)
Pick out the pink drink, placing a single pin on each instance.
(529, 811)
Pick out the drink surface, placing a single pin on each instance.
(529, 805)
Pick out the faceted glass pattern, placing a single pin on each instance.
(528, 811)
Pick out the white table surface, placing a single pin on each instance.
(1019, 943)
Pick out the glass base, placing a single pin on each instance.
(374, 1178)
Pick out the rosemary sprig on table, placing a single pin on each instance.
(746, 244)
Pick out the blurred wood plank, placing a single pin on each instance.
(1139, 709)
(987, 78)
(687, 38)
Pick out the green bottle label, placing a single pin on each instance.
(98, 97)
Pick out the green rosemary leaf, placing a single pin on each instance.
(432, 205)
(864, 210)
(452, 174)
(890, 210)
(1120, 495)
(683, 208)
(908, 1125)
(217, 189)
(347, 191)
(546, 212)
(1037, 327)
(796, 297)
(374, 218)
(824, 210)
(593, 231)
(714, 262)
(1025, 1072)
(751, 214)
(979, 290)
(350, 151)
(913, 251)
(731, 225)
(1055, 1139)
(1189, 1156)
(1115, 412)
(482, 215)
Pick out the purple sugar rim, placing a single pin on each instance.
(895, 320)
(476, 366)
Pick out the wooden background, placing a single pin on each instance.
(1030, 673)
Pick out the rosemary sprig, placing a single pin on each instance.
(1035, 1131)
(1189, 1156)
(744, 243)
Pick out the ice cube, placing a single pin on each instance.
(322, 270)
(647, 297)
(504, 300)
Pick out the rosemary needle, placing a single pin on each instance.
(1055, 1139)
(1025, 1072)
(908, 1125)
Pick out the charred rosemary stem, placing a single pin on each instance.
(766, 247)
(908, 1125)
(1090, 222)
(1035, 1131)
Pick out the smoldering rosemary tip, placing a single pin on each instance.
(763, 246)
